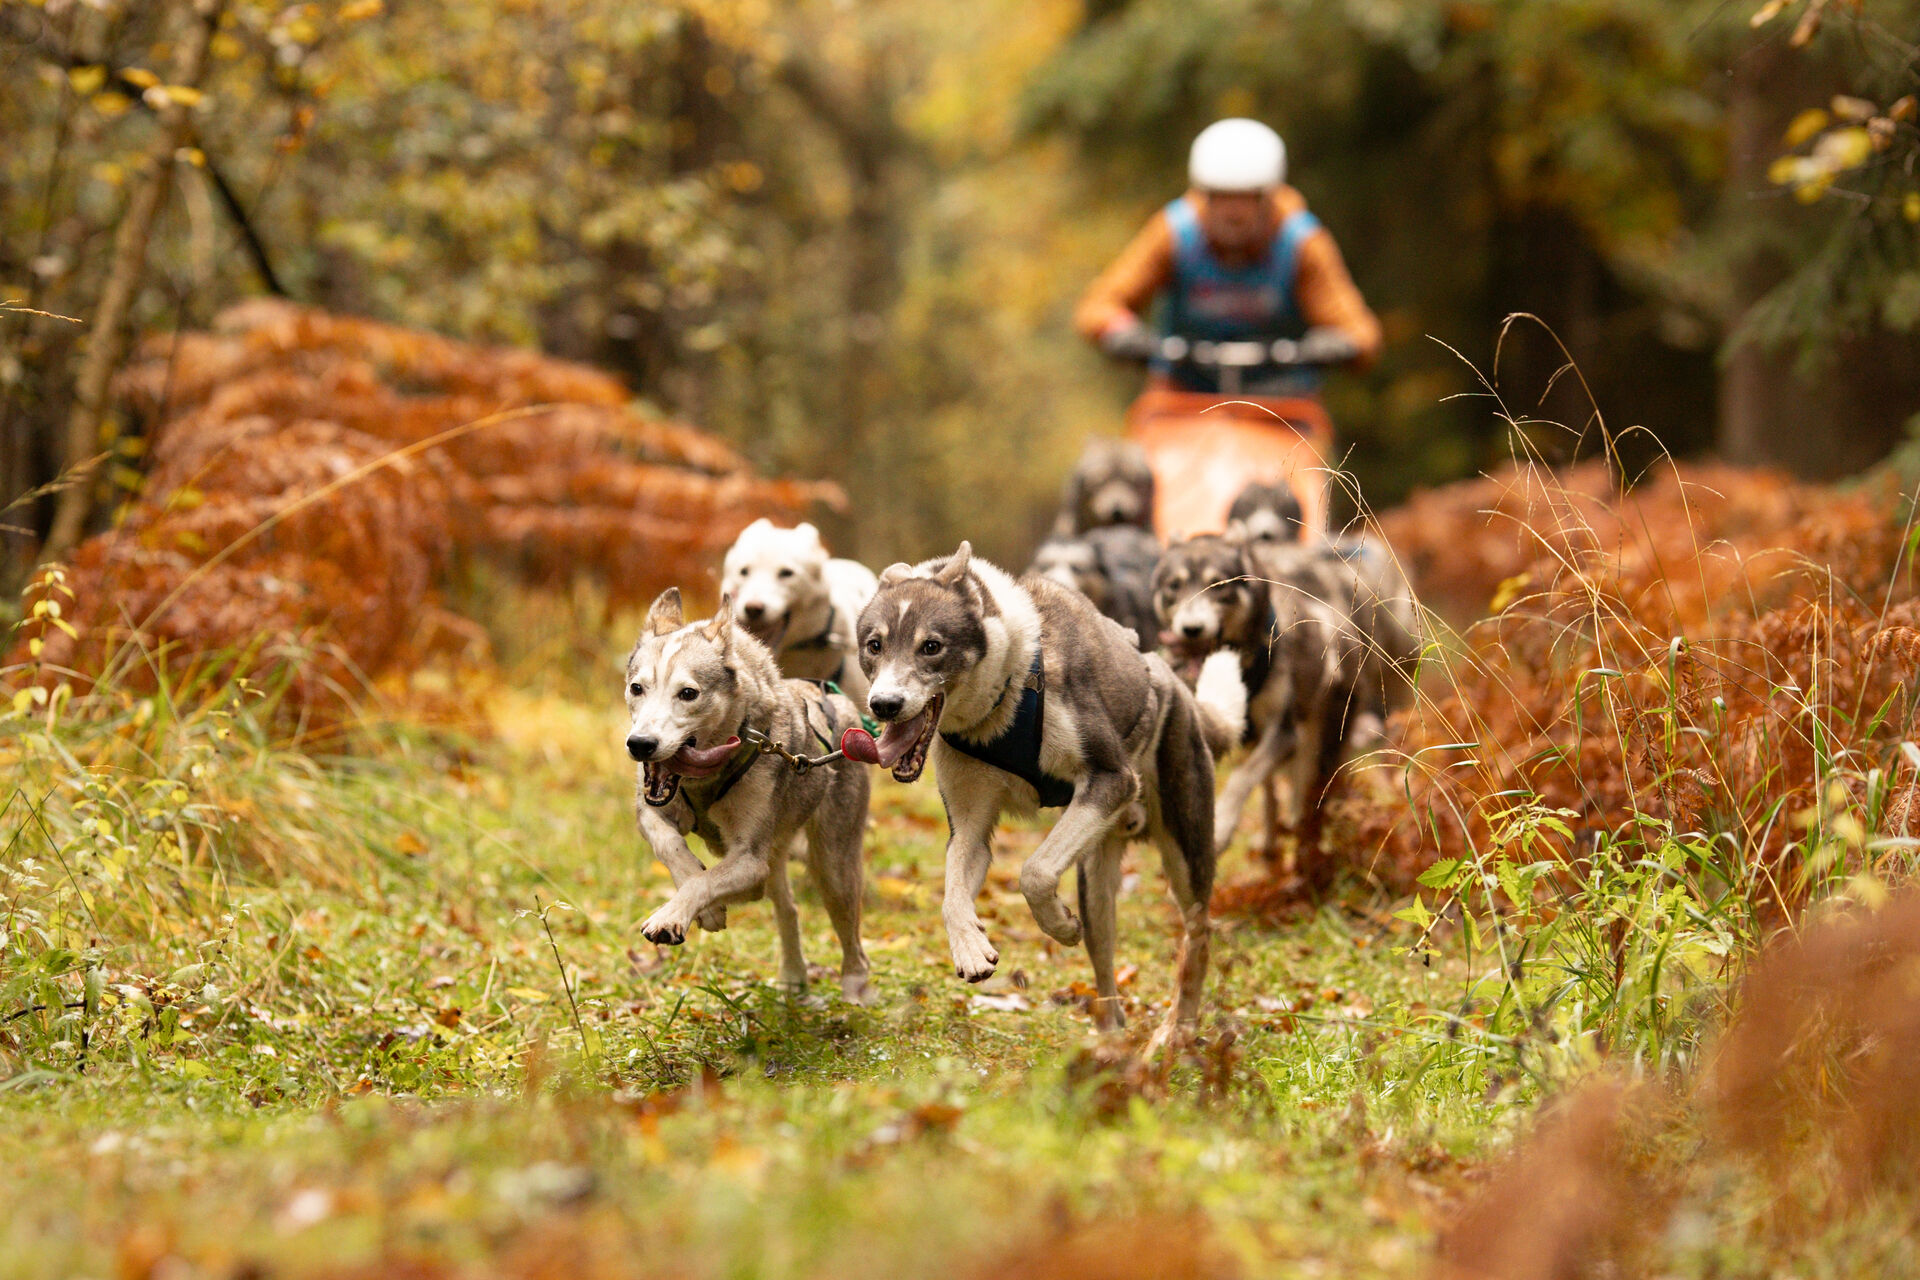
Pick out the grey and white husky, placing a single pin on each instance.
(1025, 696)
(694, 692)
(1327, 636)
(1111, 566)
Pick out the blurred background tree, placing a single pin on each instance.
(848, 236)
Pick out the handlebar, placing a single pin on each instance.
(1233, 362)
(1281, 352)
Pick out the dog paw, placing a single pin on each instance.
(857, 988)
(663, 930)
(974, 958)
(1061, 924)
(713, 919)
(1170, 1036)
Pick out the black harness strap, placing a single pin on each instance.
(1017, 749)
(721, 783)
(825, 641)
(1257, 663)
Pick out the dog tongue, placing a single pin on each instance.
(898, 738)
(702, 759)
(857, 744)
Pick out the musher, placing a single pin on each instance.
(1237, 258)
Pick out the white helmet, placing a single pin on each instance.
(1237, 155)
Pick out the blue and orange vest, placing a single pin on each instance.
(1211, 301)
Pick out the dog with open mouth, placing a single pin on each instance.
(1024, 696)
(800, 602)
(1328, 639)
(706, 705)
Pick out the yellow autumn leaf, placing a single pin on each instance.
(1509, 591)
(1805, 125)
(1844, 148)
(355, 10)
(1811, 191)
(1905, 109)
(178, 94)
(140, 76)
(1856, 109)
(1910, 207)
(111, 104)
(532, 995)
(87, 80)
(1769, 11)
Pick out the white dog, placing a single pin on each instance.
(803, 604)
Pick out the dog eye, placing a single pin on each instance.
(786, 573)
(743, 571)
(689, 693)
(931, 647)
(637, 690)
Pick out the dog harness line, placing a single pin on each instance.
(1017, 749)
(825, 641)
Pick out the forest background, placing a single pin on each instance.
(846, 237)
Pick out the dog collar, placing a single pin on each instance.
(1016, 749)
(825, 639)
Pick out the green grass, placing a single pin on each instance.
(294, 1072)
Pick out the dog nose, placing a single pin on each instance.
(642, 748)
(753, 612)
(886, 705)
(1192, 630)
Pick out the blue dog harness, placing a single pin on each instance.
(1213, 302)
(1017, 749)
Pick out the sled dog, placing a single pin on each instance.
(1327, 637)
(1111, 566)
(1111, 484)
(800, 602)
(1269, 512)
(697, 695)
(1024, 696)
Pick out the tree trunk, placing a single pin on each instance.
(107, 342)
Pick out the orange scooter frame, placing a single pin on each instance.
(1204, 449)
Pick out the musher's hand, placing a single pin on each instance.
(1326, 345)
(1127, 339)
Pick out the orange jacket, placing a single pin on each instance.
(1324, 291)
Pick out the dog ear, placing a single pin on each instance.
(666, 615)
(895, 573)
(955, 570)
(1236, 534)
(719, 630)
(807, 531)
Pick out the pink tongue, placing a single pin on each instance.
(857, 744)
(897, 738)
(703, 757)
